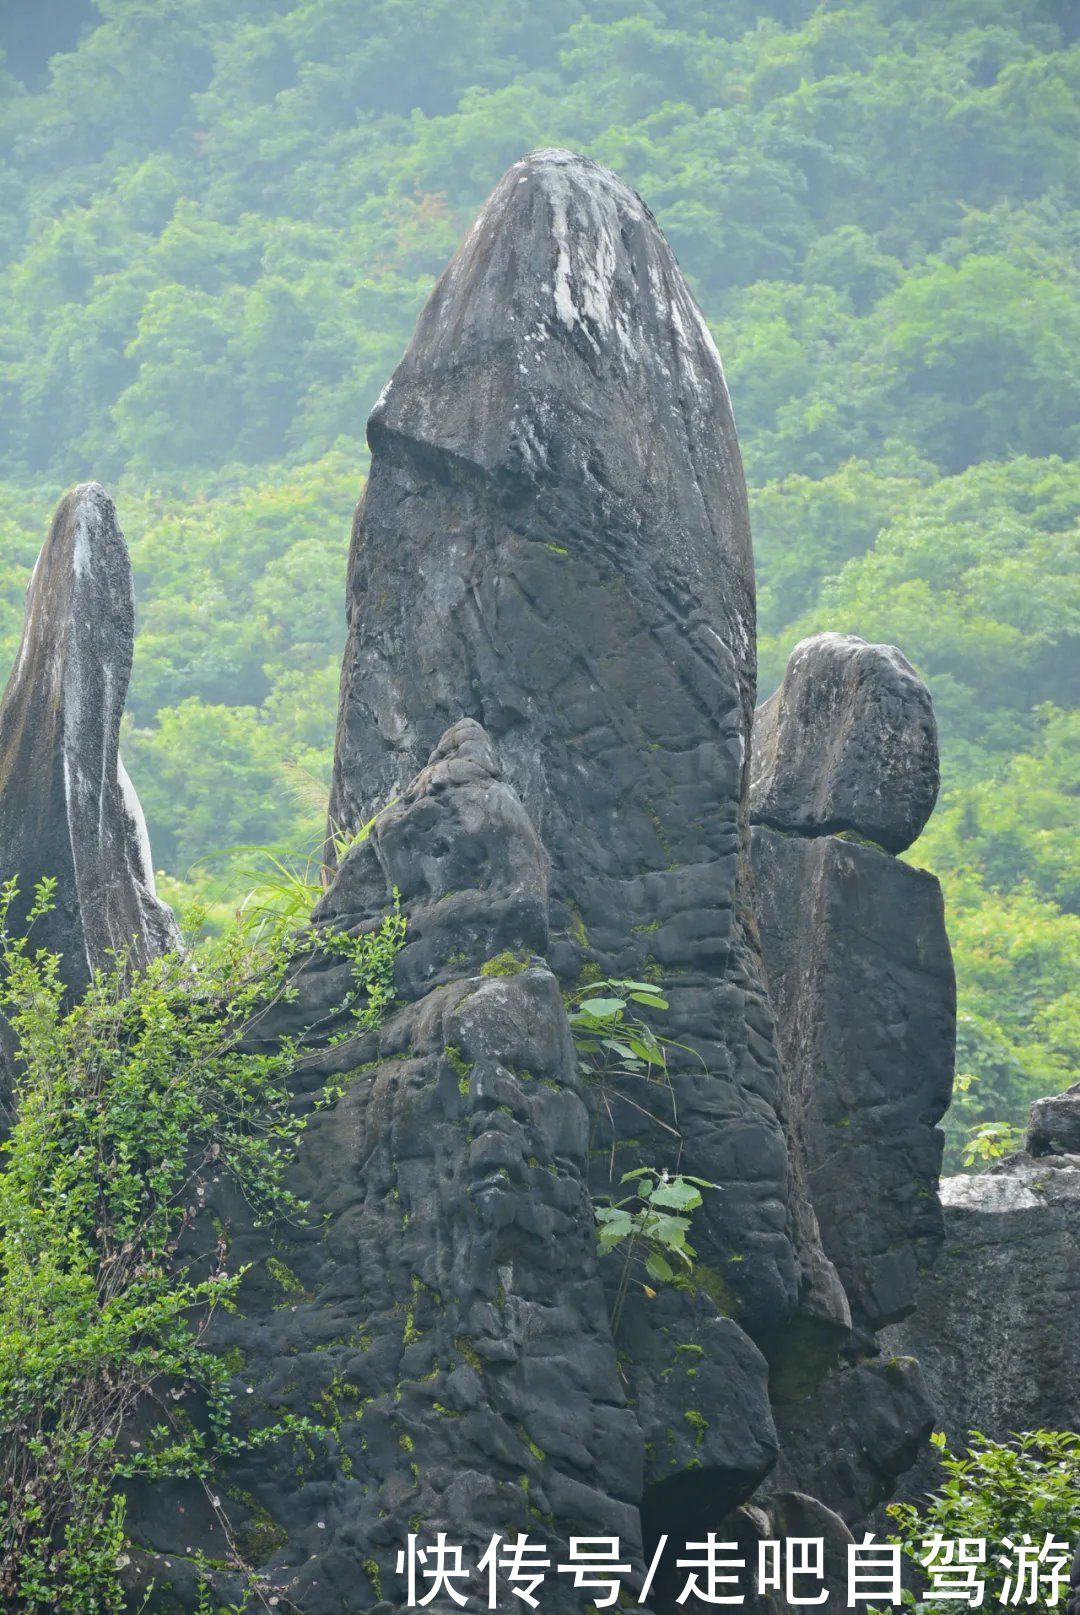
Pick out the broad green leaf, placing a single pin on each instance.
(602, 1008)
(680, 1195)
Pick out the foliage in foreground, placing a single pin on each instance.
(1013, 1492)
(129, 1106)
(650, 1224)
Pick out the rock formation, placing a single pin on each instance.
(847, 743)
(444, 1312)
(861, 979)
(997, 1327)
(1054, 1124)
(67, 806)
(547, 699)
(554, 541)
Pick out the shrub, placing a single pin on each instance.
(1007, 1494)
(127, 1103)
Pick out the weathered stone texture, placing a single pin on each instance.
(1054, 1125)
(554, 541)
(547, 700)
(861, 1428)
(443, 1311)
(847, 742)
(862, 981)
(67, 807)
(997, 1327)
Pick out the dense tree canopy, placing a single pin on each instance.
(219, 218)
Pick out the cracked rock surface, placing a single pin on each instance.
(547, 703)
(997, 1327)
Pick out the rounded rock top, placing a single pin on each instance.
(847, 743)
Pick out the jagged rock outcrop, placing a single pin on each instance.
(856, 1434)
(1054, 1124)
(847, 742)
(443, 1310)
(997, 1326)
(67, 806)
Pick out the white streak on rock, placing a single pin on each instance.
(137, 820)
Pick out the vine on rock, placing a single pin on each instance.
(129, 1105)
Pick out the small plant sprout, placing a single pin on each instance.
(607, 1032)
(991, 1141)
(652, 1223)
(613, 1043)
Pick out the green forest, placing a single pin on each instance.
(220, 218)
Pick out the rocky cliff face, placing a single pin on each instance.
(997, 1327)
(549, 678)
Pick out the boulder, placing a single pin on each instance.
(1054, 1124)
(847, 742)
(849, 1442)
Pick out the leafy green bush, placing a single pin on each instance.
(1016, 1492)
(128, 1105)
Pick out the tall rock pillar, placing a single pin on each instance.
(67, 807)
(554, 542)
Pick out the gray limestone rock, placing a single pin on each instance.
(67, 806)
(847, 742)
(546, 699)
(794, 1514)
(997, 1326)
(1054, 1126)
(442, 1312)
(861, 977)
(553, 541)
(848, 1443)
